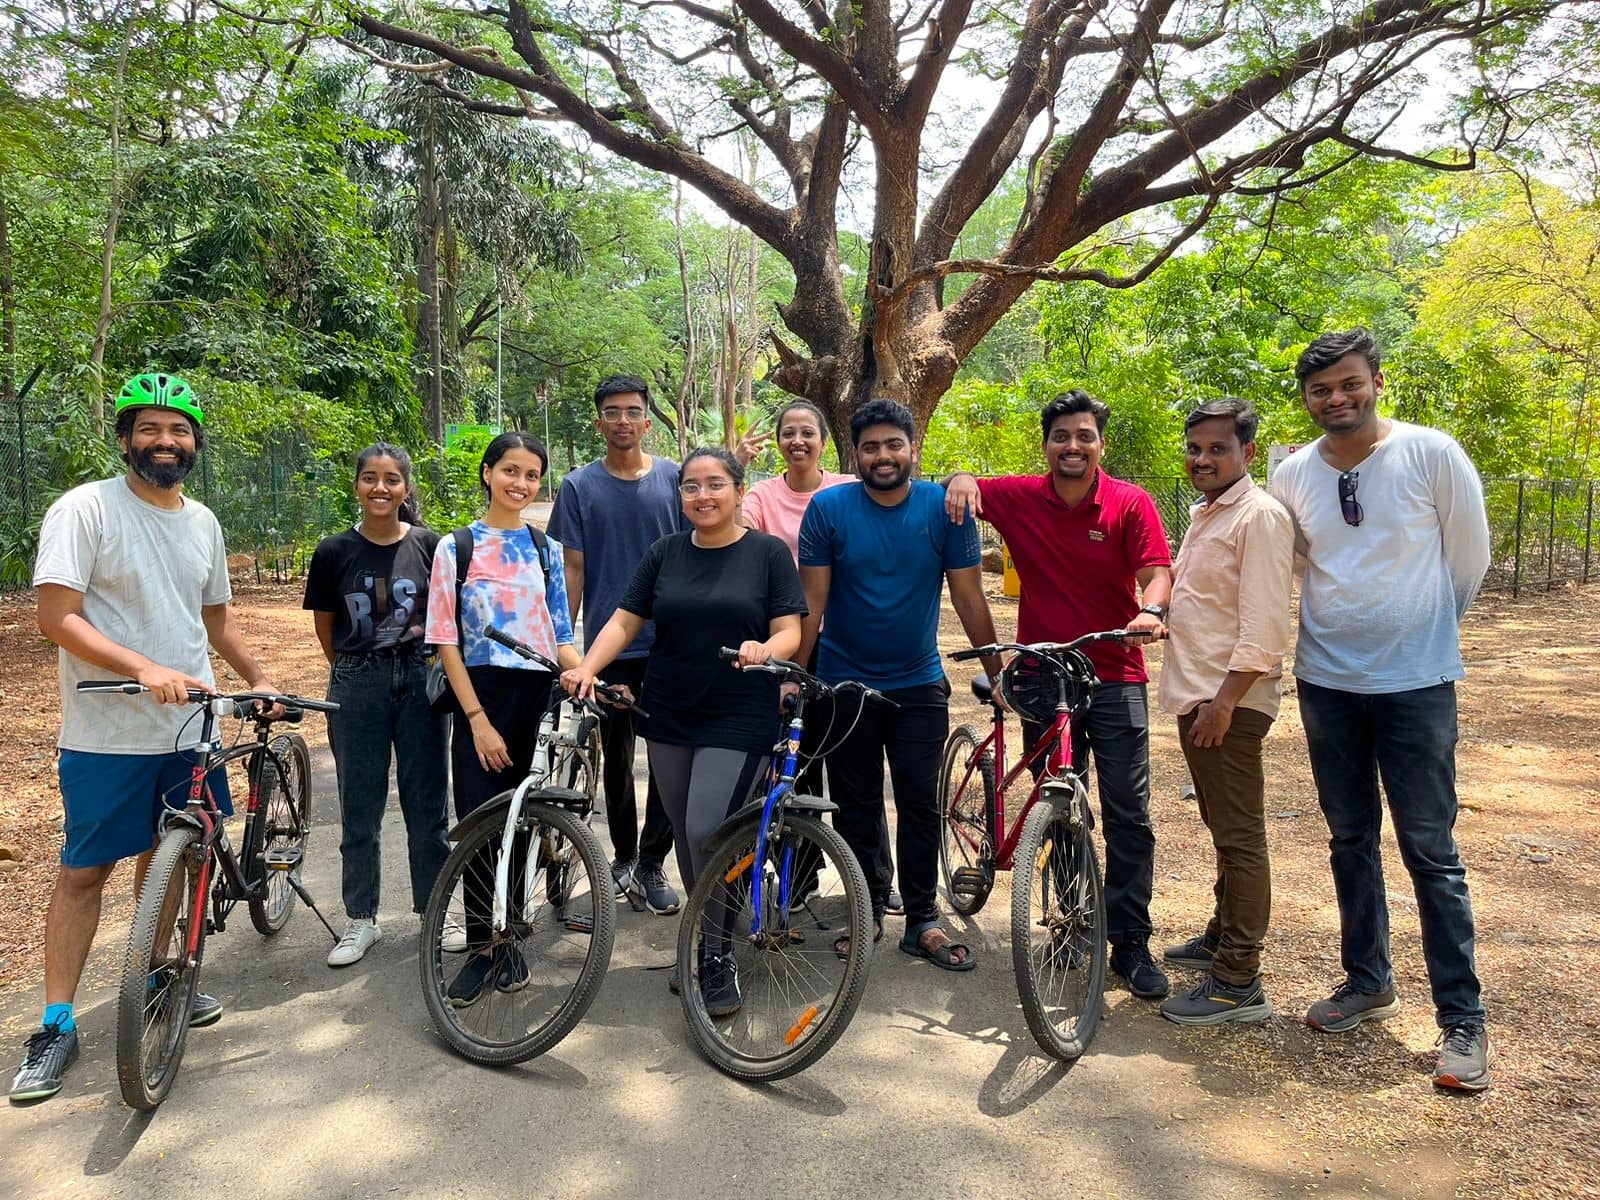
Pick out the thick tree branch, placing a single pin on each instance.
(839, 73)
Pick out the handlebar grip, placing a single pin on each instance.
(727, 655)
(126, 686)
(968, 655)
(495, 634)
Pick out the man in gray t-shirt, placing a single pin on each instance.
(133, 583)
(1392, 542)
(606, 515)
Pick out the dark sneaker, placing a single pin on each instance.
(1132, 961)
(659, 897)
(626, 877)
(471, 981)
(207, 1010)
(513, 973)
(720, 986)
(50, 1052)
(1215, 1003)
(1463, 1057)
(896, 904)
(1195, 954)
(1349, 1006)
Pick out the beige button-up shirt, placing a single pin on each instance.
(1230, 600)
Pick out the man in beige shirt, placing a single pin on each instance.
(1228, 626)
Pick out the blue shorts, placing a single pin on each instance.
(114, 801)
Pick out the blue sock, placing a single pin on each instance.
(62, 1013)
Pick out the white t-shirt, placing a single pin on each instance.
(144, 573)
(1381, 602)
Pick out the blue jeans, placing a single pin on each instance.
(1409, 740)
(383, 703)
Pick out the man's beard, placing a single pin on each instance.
(162, 475)
(870, 478)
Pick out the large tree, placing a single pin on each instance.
(1127, 118)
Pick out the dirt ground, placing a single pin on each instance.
(1529, 767)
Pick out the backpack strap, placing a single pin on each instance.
(541, 543)
(463, 540)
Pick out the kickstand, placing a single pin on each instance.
(821, 924)
(305, 897)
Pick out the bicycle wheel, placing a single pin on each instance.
(159, 977)
(795, 996)
(580, 766)
(515, 993)
(280, 832)
(1058, 923)
(966, 828)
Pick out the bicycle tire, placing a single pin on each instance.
(166, 905)
(960, 816)
(283, 820)
(500, 1028)
(808, 1025)
(1058, 923)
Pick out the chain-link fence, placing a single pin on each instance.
(25, 490)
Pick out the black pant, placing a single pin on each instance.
(1117, 730)
(913, 737)
(514, 700)
(622, 801)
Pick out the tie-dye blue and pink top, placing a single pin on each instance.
(505, 587)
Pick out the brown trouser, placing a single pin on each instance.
(1231, 789)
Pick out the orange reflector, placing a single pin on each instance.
(798, 1029)
(1044, 856)
(739, 868)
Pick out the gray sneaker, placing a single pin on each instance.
(1215, 1003)
(1463, 1057)
(659, 897)
(1349, 1006)
(626, 876)
(50, 1052)
(1195, 954)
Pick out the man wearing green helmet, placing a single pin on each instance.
(133, 583)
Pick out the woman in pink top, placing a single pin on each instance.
(776, 506)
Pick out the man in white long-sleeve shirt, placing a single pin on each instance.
(1393, 539)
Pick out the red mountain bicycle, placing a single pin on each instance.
(1058, 918)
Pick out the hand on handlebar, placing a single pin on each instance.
(1146, 627)
(167, 686)
(579, 682)
(752, 654)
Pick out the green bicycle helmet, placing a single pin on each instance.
(156, 389)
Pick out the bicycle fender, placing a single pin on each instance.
(750, 814)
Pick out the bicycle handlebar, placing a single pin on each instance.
(240, 701)
(1109, 635)
(791, 672)
(607, 692)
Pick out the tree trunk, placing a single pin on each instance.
(8, 310)
(108, 249)
(449, 309)
(684, 402)
(430, 385)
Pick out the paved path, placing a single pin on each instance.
(322, 1083)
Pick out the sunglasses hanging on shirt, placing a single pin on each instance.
(1349, 507)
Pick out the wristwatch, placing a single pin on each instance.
(1158, 611)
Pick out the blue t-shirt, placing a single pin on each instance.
(613, 522)
(882, 620)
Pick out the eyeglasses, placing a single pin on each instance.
(715, 486)
(1348, 506)
(613, 415)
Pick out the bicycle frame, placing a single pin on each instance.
(1056, 743)
(773, 806)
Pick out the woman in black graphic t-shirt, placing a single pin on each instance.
(368, 589)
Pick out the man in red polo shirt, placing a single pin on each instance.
(1090, 550)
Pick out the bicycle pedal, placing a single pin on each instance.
(578, 923)
(284, 858)
(969, 881)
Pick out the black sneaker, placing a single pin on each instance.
(1132, 961)
(471, 981)
(1215, 1002)
(720, 986)
(896, 904)
(625, 876)
(659, 897)
(513, 974)
(50, 1052)
(1349, 1006)
(1195, 954)
(207, 1010)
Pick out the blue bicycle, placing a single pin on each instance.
(781, 912)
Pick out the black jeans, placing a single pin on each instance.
(1409, 740)
(1117, 730)
(617, 740)
(383, 708)
(913, 737)
(514, 701)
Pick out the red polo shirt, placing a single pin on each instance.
(1078, 565)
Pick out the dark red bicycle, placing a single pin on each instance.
(196, 878)
(1058, 917)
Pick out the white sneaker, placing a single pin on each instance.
(358, 938)
(455, 937)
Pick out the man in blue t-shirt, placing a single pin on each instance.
(606, 515)
(874, 556)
